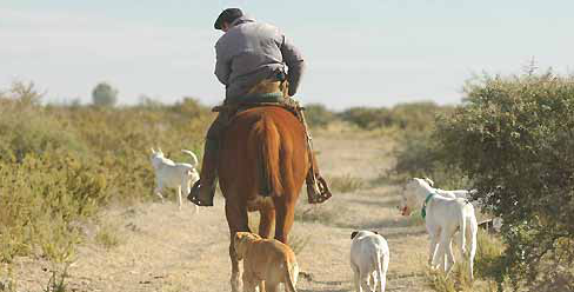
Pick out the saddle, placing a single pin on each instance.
(268, 92)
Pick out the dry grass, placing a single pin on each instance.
(346, 183)
(326, 215)
(487, 268)
(108, 236)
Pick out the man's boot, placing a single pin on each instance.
(317, 188)
(203, 190)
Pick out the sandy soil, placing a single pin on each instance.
(163, 249)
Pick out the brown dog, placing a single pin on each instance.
(266, 260)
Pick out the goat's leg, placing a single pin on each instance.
(158, 190)
(179, 196)
(449, 261)
(438, 261)
(433, 250)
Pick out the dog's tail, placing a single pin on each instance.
(291, 277)
(463, 229)
(268, 139)
(194, 162)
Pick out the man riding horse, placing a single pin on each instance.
(250, 61)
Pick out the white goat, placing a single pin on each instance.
(443, 214)
(169, 174)
(466, 194)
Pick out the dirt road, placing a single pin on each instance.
(163, 249)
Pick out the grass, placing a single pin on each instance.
(488, 269)
(345, 183)
(7, 280)
(319, 214)
(298, 243)
(108, 236)
(57, 281)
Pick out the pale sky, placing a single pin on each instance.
(358, 53)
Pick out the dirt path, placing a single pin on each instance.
(163, 249)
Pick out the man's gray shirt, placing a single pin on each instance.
(252, 51)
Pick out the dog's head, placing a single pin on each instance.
(241, 241)
(156, 156)
(413, 190)
(355, 233)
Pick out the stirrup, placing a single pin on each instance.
(194, 195)
(318, 191)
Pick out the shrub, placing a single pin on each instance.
(60, 163)
(419, 155)
(367, 118)
(514, 138)
(416, 116)
(318, 115)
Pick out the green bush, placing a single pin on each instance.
(416, 116)
(318, 115)
(419, 155)
(514, 138)
(367, 118)
(60, 163)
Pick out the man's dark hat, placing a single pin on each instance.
(228, 15)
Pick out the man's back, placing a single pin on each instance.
(250, 52)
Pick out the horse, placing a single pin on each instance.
(262, 167)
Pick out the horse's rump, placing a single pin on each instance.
(263, 153)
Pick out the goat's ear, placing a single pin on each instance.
(354, 234)
(375, 232)
(160, 150)
(152, 151)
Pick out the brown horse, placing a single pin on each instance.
(263, 164)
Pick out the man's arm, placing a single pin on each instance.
(222, 67)
(295, 63)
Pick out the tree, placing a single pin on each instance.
(513, 137)
(104, 95)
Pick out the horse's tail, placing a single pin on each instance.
(268, 141)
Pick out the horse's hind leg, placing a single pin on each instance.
(266, 221)
(237, 220)
(285, 208)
